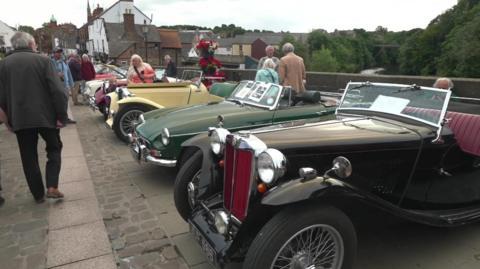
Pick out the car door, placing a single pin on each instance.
(164, 94)
(249, 118)
(199, 95)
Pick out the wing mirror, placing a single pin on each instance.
(341, 167)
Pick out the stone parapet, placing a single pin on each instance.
(323, 81)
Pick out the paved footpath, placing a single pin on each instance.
(63, 234)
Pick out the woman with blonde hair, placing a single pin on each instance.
(139, 72)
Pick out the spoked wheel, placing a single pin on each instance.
(317, 246)
(126, 120)
(304, 238)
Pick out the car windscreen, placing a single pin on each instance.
(258, 94)
(118, 72)
(424, 104)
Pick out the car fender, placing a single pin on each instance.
(202, 142)
(300, 189)
(138, 100)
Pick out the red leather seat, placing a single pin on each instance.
(466, 128)
(423, 113)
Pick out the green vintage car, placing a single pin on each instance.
(159, 135)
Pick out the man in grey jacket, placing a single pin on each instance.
(33, 99)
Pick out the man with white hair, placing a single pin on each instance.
(170, 68)
(34, 103)
(269, 50)
(443, 83)
(292, 69)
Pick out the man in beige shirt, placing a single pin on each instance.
(292, 69)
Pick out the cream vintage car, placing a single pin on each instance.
(126, 104)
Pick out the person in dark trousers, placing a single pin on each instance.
(34, 101)
(170, 68)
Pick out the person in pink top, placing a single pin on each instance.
(139, 71)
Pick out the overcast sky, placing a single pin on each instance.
(292, 15)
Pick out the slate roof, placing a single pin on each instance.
(117, 42)
(226, 42)
(268, 38)
(188, 36)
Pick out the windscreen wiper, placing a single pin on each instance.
(361, 86)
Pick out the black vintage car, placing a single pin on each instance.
(279, 197)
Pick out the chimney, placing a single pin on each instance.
(129, 24)
(97, 12)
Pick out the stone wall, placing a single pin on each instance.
(465, 87)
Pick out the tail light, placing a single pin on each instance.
(238, 173)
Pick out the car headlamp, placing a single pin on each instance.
(165, 136)
(271, 165)
(218, 138)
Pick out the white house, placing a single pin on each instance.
(114, 14)
(98, 41)
(6, 32)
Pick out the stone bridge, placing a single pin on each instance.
(465, 87)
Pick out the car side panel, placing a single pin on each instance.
(138, 100)
(165, 96)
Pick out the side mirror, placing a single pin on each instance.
(341, 167)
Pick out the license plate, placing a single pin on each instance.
(204, 245)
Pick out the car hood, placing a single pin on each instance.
(342, 135)
(196, 119)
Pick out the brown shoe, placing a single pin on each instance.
(54, 194)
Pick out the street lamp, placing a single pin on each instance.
(145, 32)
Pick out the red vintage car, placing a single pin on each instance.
(107, 71)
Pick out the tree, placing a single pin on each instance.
(323, 61)
(447, 46)
(461, 50)
(26, 29)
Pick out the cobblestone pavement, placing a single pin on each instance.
(136, 202)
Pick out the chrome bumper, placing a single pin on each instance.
(141, 154)
(92, 104)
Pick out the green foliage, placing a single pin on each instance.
(26, 29)
(224, 30)
(184, 27)
(461, 55)
(351, 51)
(228, 30)
(449, 46)
(323, 61)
